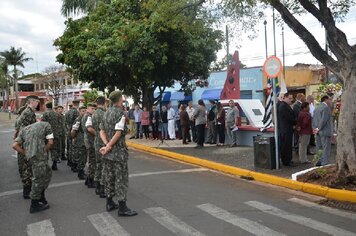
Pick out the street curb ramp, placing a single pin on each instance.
(329, 193)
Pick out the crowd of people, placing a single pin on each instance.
(187, 123)
(92, 134)
(301, 125)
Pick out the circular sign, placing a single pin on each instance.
(272, 67)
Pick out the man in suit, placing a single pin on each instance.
(297, 107)
(286, 121)
(323, 128)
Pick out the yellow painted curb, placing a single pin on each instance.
(335, 194)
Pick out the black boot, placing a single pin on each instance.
(110, 204)
(69, 163)
(124, 210)
(54, 165)
(26, 191)
(97, 189)
(91, 183)
(75, 167)
(63, 158)
(81, 174)
(86, 181)
(102, 191)
(37, 206)
(43, 199)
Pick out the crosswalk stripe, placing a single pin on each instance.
(171, 222)
(42, 228)
(307, 222)
(326, 209)
(245, 224)
(106, 225)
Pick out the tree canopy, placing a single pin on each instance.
(138, 46)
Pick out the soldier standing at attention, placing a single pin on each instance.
(70, 117)
(33, 142)
(112, 132)
(62, 132)
(97, 118)
(79, 150)
(26, 118)
(51, 117)
(89, 135)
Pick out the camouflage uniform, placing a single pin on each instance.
(117, 176)
(79, 150)
(33, 140)
(26, 118)
(62, 136)
(98, 143)
(51, 117)
(70, 117)
(89, 144)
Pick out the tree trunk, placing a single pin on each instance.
(147, 97)
(346, 139)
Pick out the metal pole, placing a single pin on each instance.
(274, 33)
(327, 51)
(227, 47)
(275, 122)
(265, 23)
(284, 56)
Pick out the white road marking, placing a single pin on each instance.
(42, 228)
(171, 222)
(245, 224)
(305, 221)
(7, 131)
(106, 225)
(326, 209)
(11, 192)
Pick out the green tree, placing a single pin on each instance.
(90, 96)
(342, 63)
(138, 46)
(16, 58)
(74, 7)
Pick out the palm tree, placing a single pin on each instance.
(15, 57)
(74, 7)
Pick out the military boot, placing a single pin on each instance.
(124, 210)
(26, 191)
(75, 167)
(91, 183)
(54, 165)
(110, 204)
(102, 191)
(69, 163)
(97, 189)
(86, 181)
(37, 206)
(81, 174)
(43, 199)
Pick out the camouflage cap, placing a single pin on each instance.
(115, 96)
(75, 101)
(49, 102)
(82, 107)
(91, 105)
(34, 97)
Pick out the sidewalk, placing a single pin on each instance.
(241, 156)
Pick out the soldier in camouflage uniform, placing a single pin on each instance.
(112, 131)
(89, 135)
(70, 117)
(79, 150)
(97, 118)
(51, 117)
(34, 142)
(26, 118)
(62, 132)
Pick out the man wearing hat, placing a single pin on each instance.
(70, 117)
(112, 132)
(26, 118)
(51, 117)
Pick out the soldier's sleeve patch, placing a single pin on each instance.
(89, 122)
(50, 136)
(121, 124)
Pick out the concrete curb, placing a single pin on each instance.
(330, 193)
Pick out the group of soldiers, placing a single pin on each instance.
(89, 134)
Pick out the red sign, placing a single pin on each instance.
(231, 88)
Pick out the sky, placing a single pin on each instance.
(34, 25)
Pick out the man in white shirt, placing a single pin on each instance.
(190, 111)
(171, 122)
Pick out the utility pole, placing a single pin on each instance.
(284, 56)
(274, 33)
(265, 23)
(227, 47)
(327, 51)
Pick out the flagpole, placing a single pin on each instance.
(275, 122)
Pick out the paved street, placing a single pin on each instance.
(171, 198)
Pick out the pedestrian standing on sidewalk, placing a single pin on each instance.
(145, 122)
(137, 114)
(304, 128)
(33, 142)
(154, 119)
(112, 132)
(200, 123)
(164, 121)
(211, 123)
(132, 125)
(232, 117)
(311, 101)
(184, 123)
(171, 122)
(190, 109)
(177, 119)
(220, 124)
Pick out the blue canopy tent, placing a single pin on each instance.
(179, 96)
(211, 94)
(166, 96)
